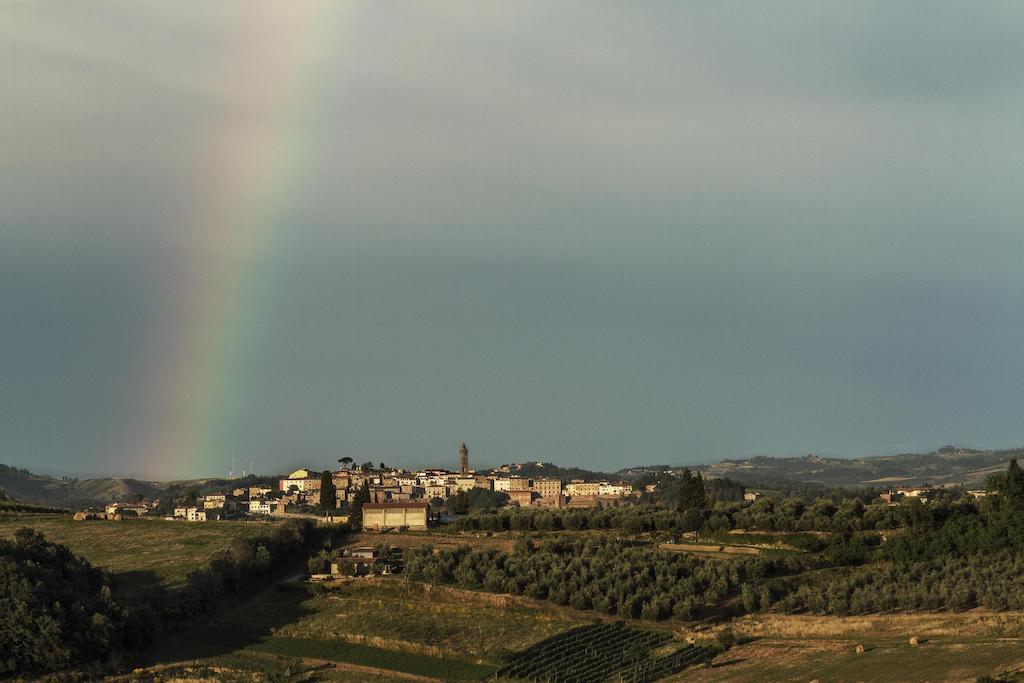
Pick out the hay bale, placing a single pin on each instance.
(859, 649)
(914, 641)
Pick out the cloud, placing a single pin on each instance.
(589, 232)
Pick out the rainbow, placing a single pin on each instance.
(250, 170)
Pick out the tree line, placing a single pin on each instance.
(609, 576)
(58, 611)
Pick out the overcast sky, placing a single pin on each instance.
(594, 234)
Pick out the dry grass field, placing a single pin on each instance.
(951, 647)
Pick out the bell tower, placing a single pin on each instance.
(464, 460)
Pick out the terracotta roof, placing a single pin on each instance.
(396, 504)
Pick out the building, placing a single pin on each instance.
(302, 480)
(139, 509)
(890, 497)
(395, 515)
(752, 496)
(582, 488)
(214, 501)
(260, 507)
(547, 488)
(465, 483)
(463, 460)
(512, 484)
(197, 515)
(432, 491)
(606, 489)
(521, 497)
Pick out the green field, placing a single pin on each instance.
(167, 549)
(385, 624)
(367, 655)
(437, 621)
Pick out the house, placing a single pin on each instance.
(260, 507)
(891, 497)
(364, 552)
(582, 488)
(606, 489)
(432, 491)
(302, 480)
(382, 494)
(214, 501)
(547, 488)
(521, 497)
(139, 509)
(752, 496)
(197, 515)
(410, 514)
(926, 495)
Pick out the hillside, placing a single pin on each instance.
(70, 493)
(946, 466)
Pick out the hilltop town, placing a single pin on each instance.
(395, 498)
(388, 497)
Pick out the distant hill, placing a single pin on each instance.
(947, 466)
(41, 489)
(70, 493)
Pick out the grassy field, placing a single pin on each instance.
(386, 624)
(952, 647)
(377, 657)
(168, 549)
(430, 620)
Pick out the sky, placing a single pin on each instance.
(597, 234)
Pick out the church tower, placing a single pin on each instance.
(464, 460)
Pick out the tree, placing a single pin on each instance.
(328, 492)
(55, 610)
(692, 520)
(355, 517)
(346, 463)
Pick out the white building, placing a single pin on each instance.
(607, 489)
(196, 515)
(260, 507)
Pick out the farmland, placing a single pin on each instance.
(604, 651)
(389, 620)
(951, 646)
(132, 549)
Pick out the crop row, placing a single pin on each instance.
(600, 652)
